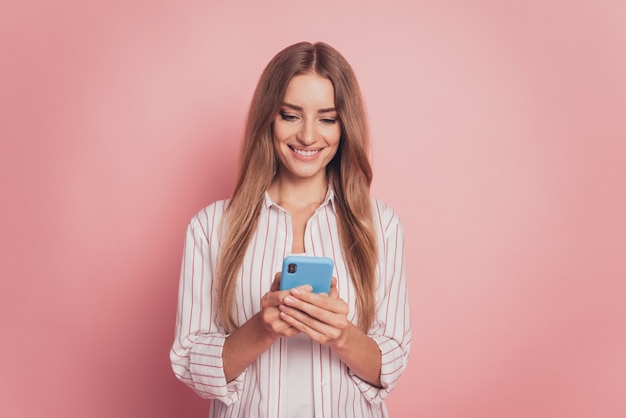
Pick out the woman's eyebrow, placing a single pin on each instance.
(299, 108)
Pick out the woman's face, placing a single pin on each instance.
(306, 129)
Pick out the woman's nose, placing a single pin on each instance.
(307, 133)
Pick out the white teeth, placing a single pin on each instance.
(305, 153)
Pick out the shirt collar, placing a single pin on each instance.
(329, 199)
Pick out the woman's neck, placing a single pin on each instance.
(300, 193)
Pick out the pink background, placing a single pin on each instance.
(499, 137)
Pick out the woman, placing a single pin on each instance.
(303, 187)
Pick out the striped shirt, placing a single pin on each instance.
(196, 354)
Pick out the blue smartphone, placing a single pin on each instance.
(299, 270)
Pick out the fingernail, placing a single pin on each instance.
(288, 300)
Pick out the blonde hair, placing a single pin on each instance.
(349, 174)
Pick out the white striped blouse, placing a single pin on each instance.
(196, 354)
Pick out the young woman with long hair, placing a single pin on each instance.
(303, 187)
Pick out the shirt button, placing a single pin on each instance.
(324, 383)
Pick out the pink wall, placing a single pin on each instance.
(500, 139)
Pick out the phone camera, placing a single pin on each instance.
(292, 267)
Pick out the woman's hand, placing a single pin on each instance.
(324, 318)
(271, 320)
(254, 337)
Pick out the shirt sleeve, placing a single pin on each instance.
(196, 354)
(392, 328)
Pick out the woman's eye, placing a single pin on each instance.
(287, 116)
(329, 121)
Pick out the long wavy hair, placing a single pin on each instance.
(349, 174)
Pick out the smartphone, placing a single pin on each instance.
(299, 270)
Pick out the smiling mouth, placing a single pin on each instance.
(305, 153)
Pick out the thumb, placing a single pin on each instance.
(276, 283)
(334, 292)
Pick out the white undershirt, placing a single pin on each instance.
(299, 379)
